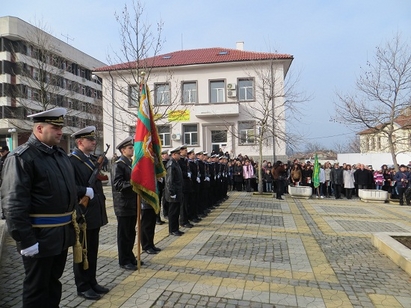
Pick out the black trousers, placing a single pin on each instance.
(348, 192)
(248, 185)
(337, 191)
(86, 279)
(279, 188)
(184, 207)
(148, 226)
(401, 194)
(173, 214)
(126, 237)
(41, 285)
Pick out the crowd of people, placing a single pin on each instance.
(335, 180)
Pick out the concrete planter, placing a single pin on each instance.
(303, 192)
(373, 195)
(396, 251)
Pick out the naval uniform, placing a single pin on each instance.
(39, 196)
(95, 216)
(125, 208)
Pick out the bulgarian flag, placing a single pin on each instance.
(316, 172)
(147, 163)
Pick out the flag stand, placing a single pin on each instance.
(138, 232)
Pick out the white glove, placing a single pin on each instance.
(189, 174)
(198, 180)
(30, 251)
(90, 192)
(207, 179)
(160, 180)
(173, 197)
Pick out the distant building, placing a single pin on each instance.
(373, 141)
(36, 67)
(209, 99)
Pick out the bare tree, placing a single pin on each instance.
(312, 147)
(383, 94)
(140, 44)
(274, 97)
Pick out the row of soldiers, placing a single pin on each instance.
(202, 186)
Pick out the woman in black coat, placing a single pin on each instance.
(238, 175)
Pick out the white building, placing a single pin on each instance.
(36, 67)
(209, 99)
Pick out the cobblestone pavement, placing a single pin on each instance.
(252, 251)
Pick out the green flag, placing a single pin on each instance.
(316, 172)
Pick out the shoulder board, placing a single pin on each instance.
(21, 149)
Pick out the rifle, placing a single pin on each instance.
(96, 175)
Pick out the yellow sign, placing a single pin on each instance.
(179, 115)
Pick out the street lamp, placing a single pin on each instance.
(11, 131)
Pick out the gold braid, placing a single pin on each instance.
(84, 243)
(77, 248)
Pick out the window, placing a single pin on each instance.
(133, 95)
(217, 91)
(189, 92)
(164, 135)
(35, 73)
(190, 134)
(247, 132)
(162, 94)
(245, 89)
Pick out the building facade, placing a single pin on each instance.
(212, 99)
(376, 140)
(40, 72)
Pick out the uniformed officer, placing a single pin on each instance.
(195, 184)
(187, 188)
(39, 197)
(4, 152)
(125, 205)
(174, 191)
(95, 214)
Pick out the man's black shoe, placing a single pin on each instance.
(202, 215)
(196, 220)
(89, 294)
(160, 222)
(3, 217)
(151, 251)
(130, 267)
(187, 225)
(280, 198)
(177, 233)
(156, 248)
(100, 289)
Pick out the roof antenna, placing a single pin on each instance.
(182, 47)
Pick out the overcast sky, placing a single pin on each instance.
(330, 39)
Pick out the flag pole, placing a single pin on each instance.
(138, 232)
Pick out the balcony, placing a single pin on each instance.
(217, 110)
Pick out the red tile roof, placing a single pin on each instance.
(198, 56)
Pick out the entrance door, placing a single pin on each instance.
(218, 140)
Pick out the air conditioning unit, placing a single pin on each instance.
(231, 86)
(231, 93)
(176, 137)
